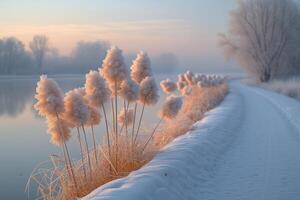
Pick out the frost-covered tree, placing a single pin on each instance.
(264, 37)
(39, 47)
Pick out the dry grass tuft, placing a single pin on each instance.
(53, 182)
(289, 87)
(195, 105)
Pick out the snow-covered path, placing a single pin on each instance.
(263, 162)
(245, 149)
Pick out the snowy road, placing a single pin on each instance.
(263, 163)
(248, 148)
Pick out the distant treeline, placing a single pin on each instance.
(39, 57)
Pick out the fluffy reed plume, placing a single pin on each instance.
(125, 117)
(170, 108)
(141, 67)
(168, 86)
(94, 117)
(77, 113)
(129, 90)
(148, 91)
(96, 90)
(193, 108)
(113, 66)
(130, 93)
(50, 104)
(76, 109)
(49, 97)
(189, 77)
(114, 72)
(97, 94)
(148, 96)
(168, 111)
(59, 130)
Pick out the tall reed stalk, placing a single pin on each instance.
(66, 154)
(116, 123)
(126, 125)
(139, 124)
(82, 154)
(151, 136)
(133, 127)
(87, 151)
(94, 143)
(107, 131)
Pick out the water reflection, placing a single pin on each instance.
(16, 94)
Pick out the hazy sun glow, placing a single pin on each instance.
(186, 28)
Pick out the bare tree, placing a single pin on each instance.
(264, 36)
(13, 57)
(39, 47)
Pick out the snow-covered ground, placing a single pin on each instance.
(247, 148)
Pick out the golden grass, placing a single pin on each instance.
(52, 179)
(195, 105)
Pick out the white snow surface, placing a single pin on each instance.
(245, 149)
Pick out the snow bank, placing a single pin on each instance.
(183, 166)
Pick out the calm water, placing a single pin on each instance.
(24, 141)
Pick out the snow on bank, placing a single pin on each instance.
(289, 87)
(183, 168)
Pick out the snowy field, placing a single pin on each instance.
(247, 148)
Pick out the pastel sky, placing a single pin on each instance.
(187, 28)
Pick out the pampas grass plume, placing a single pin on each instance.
(113, 66)
(141, 67)
(49, 97)
(168, 86)
(171, 107)
(96, 90)
(148, 91)
(129, 90)
(58, 128)
(94, 117)
(189, 77)
(76, 109)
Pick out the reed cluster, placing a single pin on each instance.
(201, 94)
(114, 96)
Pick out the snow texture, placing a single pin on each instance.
(247, 148)
(181, 167)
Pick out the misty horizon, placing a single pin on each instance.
(183, 33)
